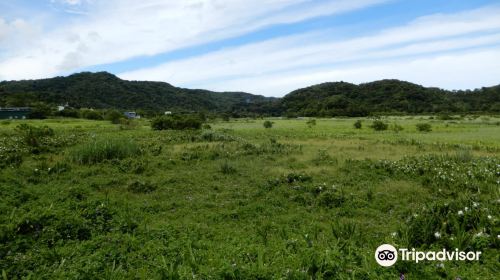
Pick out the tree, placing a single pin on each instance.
(357, 124)
(40, 110)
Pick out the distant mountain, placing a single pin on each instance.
(387, 97)
(104, 90)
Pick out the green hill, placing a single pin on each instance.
(103, 90)
(388, 97)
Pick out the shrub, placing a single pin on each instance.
(357, 124)
(128, 124)
(175, 123)
(379, 125)
(268, 124)
(104, 149)
(40, 111)
(91, 115)
(68, 113)
(31, 135)
(114, 116)
(310, 123)
(424, 127)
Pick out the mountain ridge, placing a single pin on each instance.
(103, 90)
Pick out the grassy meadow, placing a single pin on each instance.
(86, 199)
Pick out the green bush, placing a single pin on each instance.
(40, 110)
(379, 125)
(268, 124)
(104, 149)
(310, 123)
(91, 115)
(114, 116)
(357, 124)
(68, 113)
(424, 127)
(175, 123)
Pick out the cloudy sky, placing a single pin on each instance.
(267, 47)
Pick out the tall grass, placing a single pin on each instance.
(103, 149)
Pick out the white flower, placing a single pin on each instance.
(460, 213)
(490, 217)
(466, 209)
(475, 204)
(437, 234)
(394, 234)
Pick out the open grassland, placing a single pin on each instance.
(92, 200)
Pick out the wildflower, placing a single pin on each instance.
(394, 234)
(490, 217)
(437, 234)
(475, 204)
(460, 213)
(466, 209)
(440, 265)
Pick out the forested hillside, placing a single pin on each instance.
(103, 91)
(387, 97)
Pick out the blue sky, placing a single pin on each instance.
(267, 47)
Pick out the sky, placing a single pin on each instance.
(267, 47)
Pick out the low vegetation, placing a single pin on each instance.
(176, 123)
(88, 199)
(99, 150)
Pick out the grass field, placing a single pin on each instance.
(92, 200)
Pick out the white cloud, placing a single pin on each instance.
(69, 2)
(15, 32)
(280, 65)
(463, 70)
(130, 28)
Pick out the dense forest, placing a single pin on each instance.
(105, 91)
(387, 97)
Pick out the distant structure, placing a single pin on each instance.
(62, 107)
(14, 113)
(132, 115)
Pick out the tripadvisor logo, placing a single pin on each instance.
(387, 255)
